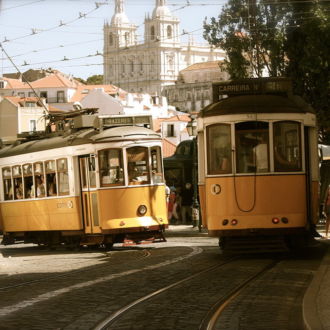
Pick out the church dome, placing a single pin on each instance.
(161, 12)
(119, 19)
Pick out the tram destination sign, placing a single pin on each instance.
(108, 121)
(251, 86)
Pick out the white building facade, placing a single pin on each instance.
(149, 66)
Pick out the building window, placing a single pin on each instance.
(152, 65)
(111, 39)
(60, 97)
(33, 125)
(30, 104)
(152, 33)
(21, 94)
(44, 95)
(132, 66)
(2, 84)
(126, 38)
(31, 94)
(170, 130)
(169, 31)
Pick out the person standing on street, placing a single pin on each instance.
(186, 202)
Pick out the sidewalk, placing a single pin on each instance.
(184, 230)
(316, 302)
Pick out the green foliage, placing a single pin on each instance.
(282, 38)
(95, 80)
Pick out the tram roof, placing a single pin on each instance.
(86, 136)
(260, 103)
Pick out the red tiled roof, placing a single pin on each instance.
(184, 118)
(203, 66)
(19, 101)
(168, 148)
(79, 95)
(55, 80)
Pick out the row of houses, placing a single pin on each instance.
(24, 105)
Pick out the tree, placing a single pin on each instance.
(95, 80)
(282, 38)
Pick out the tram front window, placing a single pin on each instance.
(111, 167)
(287, 146)
(156, 165)
(219, 149)
(137, 165)
(252, 147)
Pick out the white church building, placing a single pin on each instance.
(149, 66)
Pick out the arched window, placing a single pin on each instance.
(169, 31)
(152, 33)
(111, 39)
(132, 66)
(126, 38)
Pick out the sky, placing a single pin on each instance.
(68, 34)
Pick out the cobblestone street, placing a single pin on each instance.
(63, 289)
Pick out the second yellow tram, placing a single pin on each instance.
(258, 165)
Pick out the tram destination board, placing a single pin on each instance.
(126, 121)
(278, 85)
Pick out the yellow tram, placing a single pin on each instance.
(258, 164)
(87, 186)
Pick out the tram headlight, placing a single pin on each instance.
(142, 210)
(284, 220)
(225, 222)
(275, 221)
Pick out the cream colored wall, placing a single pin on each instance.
(8, 119)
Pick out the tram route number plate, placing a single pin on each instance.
(65, 205)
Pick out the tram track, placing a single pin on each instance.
(111, 319)
(205, 321)
(210, 320)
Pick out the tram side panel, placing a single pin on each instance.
(39, 215)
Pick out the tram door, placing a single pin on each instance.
(89, 194)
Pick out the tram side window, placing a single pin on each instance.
(39, 179)
(252, 147)
(63, 176)
(156, 165)
(7, 183)
(287, 146)
(92, 171)
(111, 167)
(137, 165)
(18, 182)
(51, 186)
(219, 149)
(28, 181)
